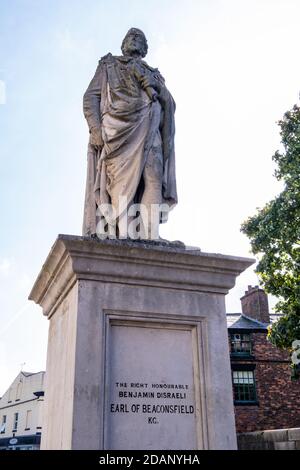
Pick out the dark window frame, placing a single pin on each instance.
(245, 339)
(16, 421)
(244, 386)
(4, 423)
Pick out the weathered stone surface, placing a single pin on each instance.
(294, 434)
(73, 258)
(288, 445)
(152, 383)
(276, 435)
(274, 439)
(122, 312)
(130, 114)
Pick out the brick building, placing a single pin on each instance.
(265, 397)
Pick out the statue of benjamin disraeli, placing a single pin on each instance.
(130, 114)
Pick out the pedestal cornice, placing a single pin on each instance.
(75, 258)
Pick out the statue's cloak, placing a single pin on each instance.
(130, 122)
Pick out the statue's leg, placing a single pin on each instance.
(152, 196)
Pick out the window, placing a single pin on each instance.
(3, 424)
(19, 389)
(16, 418)
(240, 344)
(28, 419)
(244, 386)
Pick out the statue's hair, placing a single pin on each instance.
(140, 33)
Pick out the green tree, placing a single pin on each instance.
(274, 233)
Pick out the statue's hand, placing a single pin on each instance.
(96, 137)
(149, 82)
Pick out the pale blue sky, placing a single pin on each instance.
(233, 68)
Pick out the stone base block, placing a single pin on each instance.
(138, 351)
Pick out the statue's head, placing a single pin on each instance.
(135, 43)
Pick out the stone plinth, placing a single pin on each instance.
(137, 352)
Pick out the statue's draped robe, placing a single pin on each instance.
(130, 123)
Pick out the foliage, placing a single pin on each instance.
(274, 233)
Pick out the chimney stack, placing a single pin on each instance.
(255, 304)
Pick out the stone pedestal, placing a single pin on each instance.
(138, 351)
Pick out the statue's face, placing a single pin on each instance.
(134, 44)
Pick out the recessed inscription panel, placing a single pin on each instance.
(150, 402)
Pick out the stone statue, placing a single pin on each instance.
(131, 161)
